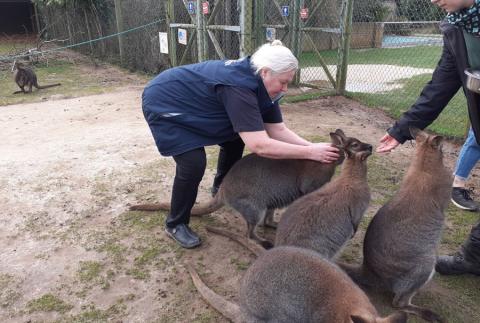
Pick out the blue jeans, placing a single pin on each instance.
(468, 158)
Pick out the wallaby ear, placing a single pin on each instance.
(414, 131)
(356, 318)
(436, 141)
(341, 134)
(337, 140)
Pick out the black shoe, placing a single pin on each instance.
(214, 190)
(184, 236)
(456, 265)
(462, 199)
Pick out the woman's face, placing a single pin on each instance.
(276, 83)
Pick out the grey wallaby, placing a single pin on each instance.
(399, 250)
(26, 77)
(325, 219)
(289, 284)
(256, 186)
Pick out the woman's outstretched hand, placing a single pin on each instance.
(387, 144)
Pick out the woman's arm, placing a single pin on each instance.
(260, 143)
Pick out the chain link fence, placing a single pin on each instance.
(89, 22)
(391, 47)
(394, 48)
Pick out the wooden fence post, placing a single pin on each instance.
(119, 20)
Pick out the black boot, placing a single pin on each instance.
(456, 265)
(465, 261)
(184, 236)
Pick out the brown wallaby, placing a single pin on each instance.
(325, 219)
(26, 77)
(289, 284)
(256, 186)
(399, 251)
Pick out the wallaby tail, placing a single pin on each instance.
(150, 207)
(396, 317)
(367, 317)
(226, 308)
(214, 204)
(47, 86)
(198, 210)
(252, 247)
(424, 313)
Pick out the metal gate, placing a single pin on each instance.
(214, 30)
(229, 29)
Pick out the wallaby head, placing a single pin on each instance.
(351, 147)
(428, 146)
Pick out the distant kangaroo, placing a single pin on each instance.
(288, 284)
(26, 77)
(256, 186)
(399, 250)
(325, 219)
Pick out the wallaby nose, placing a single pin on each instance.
(369, 147)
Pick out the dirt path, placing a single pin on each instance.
(70, 249)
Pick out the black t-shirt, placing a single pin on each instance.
(242, 108)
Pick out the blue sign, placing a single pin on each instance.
(285, 11)
(191, 8)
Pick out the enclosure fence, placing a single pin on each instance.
(379, 52)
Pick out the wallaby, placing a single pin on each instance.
(325, 219)
(399, 250)
(289, 284)
(255, 186)
(26, 77)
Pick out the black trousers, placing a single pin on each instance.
(471, 246)
(189, 173)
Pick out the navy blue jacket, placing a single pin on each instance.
(181, 106)
(447, 79)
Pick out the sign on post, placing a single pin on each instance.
(304, 13)
(205, 7)
(285, 10)
(270, 34)
(163, 38)
(182, 36)
(191, 8)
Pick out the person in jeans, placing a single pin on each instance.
(231, 103)
(461, 50)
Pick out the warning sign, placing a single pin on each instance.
(304, 13)
(205, 7)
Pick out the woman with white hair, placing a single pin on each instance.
(229, 103)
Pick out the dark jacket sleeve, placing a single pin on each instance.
(434, 98)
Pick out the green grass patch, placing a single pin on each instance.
(89, 271)
(140, 220)
(418, 56)
(74, 80)
(48, 303)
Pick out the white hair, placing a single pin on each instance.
(275, 57)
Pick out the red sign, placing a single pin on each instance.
(304, 13)
(205, 7)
